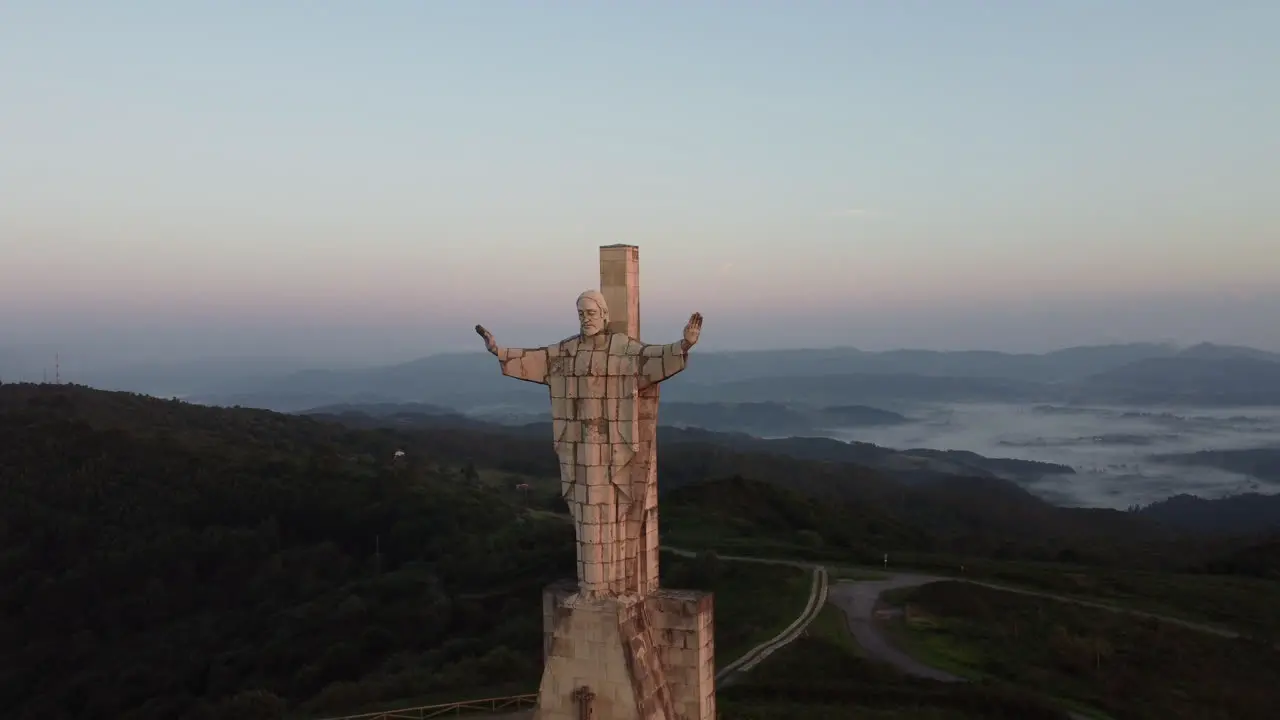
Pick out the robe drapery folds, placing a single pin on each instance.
(594, 386)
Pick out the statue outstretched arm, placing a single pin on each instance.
(529, 364)
(659, 362)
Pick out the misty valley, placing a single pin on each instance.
(1120, 456)
(1082, 457)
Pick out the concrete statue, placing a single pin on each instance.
(616, 645)
(596, 378)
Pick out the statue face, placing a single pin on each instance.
(590, 317)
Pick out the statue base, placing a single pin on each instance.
(627, 658)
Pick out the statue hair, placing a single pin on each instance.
(596, 297)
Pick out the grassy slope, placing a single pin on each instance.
(822, 676)
(753, 604)
(1250, 606)
(1126, 667)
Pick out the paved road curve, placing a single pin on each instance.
(858, 601)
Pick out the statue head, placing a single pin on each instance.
(593, 313)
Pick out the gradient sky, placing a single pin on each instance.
(367, 180)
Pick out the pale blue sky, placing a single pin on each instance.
(373, 178)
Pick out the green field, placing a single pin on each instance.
(1119, 665)
(832, 626)
(1249, 606)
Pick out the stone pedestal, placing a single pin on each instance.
(627, 658)
(684, 633)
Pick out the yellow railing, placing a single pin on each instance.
(510, 703)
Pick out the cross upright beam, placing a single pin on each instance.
(620, 285)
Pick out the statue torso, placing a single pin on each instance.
(594, 383)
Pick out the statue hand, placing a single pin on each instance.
(692, 330)
(489, 344)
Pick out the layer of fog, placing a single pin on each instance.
(1109, 448)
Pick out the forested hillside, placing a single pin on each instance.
(164, 560)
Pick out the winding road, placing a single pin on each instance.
(858, 600)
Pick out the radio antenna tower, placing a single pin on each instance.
(57, 370)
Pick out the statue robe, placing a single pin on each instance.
(594, 386)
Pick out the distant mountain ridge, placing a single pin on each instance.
(1134, 373)
(1262, 462)
(1198, 379)
(1209, 351)
(1242, 514)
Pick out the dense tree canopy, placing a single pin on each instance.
(206, 561)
